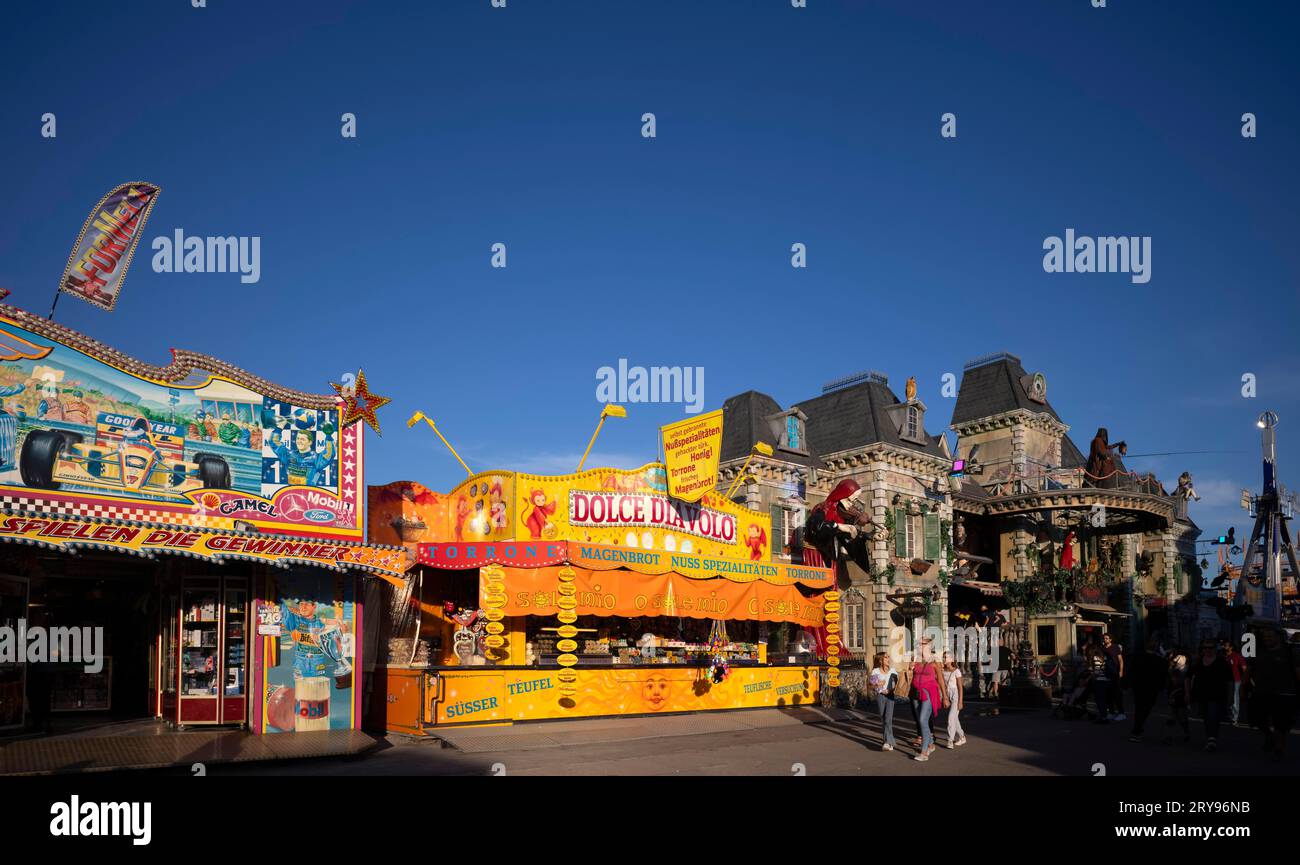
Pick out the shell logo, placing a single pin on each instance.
(211, 501)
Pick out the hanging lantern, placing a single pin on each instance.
(493, 580)
(567, 677)
(832, 617)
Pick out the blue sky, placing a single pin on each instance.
(775, 125)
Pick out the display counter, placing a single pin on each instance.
(420, 699)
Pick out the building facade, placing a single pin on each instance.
(944, 546)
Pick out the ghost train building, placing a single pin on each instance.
(1089, 545)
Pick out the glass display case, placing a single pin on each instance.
(206, 667)
(235, 653)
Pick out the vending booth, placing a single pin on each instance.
(544, 597)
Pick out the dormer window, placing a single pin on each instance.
(909, 421)
(789, 430)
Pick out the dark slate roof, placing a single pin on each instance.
(1071, 456)
(744, 421)
(994, 388)
(855, 416)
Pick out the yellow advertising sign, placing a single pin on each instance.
(481, 509)
(692, 448)
(633, 510)
(493, 696)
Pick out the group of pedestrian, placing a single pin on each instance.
(928, 684)
(1217, 681)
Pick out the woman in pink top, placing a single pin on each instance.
(927, 695)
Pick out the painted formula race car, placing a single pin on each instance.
(132, 454)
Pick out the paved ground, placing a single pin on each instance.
(809, 740)
(147, 743)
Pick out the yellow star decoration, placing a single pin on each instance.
(359, 403)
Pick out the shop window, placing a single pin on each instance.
(1046, 641)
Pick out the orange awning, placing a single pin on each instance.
(535, 592)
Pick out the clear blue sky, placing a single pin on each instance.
(775, 125)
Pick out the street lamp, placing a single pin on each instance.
(759, 447)
(610, 410)
(421, 416)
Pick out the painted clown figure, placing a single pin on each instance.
(839, 530)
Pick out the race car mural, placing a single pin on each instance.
(82, 424)
(128, 453)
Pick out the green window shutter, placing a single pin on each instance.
(778, 529)
(932, 543)
(934, 615)
(900, 532)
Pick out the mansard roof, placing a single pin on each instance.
(745, 420)
(855, 416)
(992, 386)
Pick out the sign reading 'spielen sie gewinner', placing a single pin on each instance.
(691, 451)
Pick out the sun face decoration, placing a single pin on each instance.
(655, 693)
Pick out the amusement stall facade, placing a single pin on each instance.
(208, 521)
(596, 593)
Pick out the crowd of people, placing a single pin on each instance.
(1215, 681)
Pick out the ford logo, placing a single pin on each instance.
(319, 515)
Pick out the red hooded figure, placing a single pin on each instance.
(838, 530)
(1067, 552)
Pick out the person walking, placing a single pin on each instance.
(1274, 675)
(1240, 675)
(927, 696)
(1177, 699)
(884, 679)
(1148, 673)
(1098, 664)
(952, 687)
(1115, 663)
(1208, 681)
